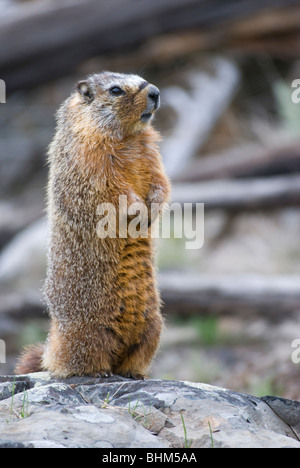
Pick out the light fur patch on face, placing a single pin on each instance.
(118, 79)
(75, 100)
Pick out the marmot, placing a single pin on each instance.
(101, 293)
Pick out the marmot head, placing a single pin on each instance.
(116, 104)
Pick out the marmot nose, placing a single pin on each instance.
(153, 94)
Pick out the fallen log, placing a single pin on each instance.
(238, 195)
(245, 161)
(45, 40)
(189, 294)
(274, 32)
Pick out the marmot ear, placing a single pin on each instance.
(85, 90)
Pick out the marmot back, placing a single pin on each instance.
(101, 292)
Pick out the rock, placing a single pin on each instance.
(56, 415)
(287, 410)
(38, 411)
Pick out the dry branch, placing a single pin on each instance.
(186, 294)
(189, 294)
(245, 161)
(197, 110)
(246, 194)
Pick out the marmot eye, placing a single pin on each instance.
(116, 91)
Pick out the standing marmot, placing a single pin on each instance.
(101, 292)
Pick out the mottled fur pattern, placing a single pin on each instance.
(101, 293)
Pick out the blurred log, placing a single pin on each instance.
(14, 217)
(198, 109)
(45, 40)
(273, 32)
(21, 306)
(246, 194)
(247, 161)
(191, 294)
(186, 294)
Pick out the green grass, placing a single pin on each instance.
(207, 328)
(12, 400)
(24, 411)
(211, 435)
(187, 443)
(264, 387)
(33, 332)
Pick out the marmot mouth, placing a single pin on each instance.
(146, 117)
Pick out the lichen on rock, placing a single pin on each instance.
(38, 411)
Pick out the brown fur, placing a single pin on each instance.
(31, 359)
(101, 293)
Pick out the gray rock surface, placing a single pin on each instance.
(38, 411)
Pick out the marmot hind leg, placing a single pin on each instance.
(139, 356)
(79, 351)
